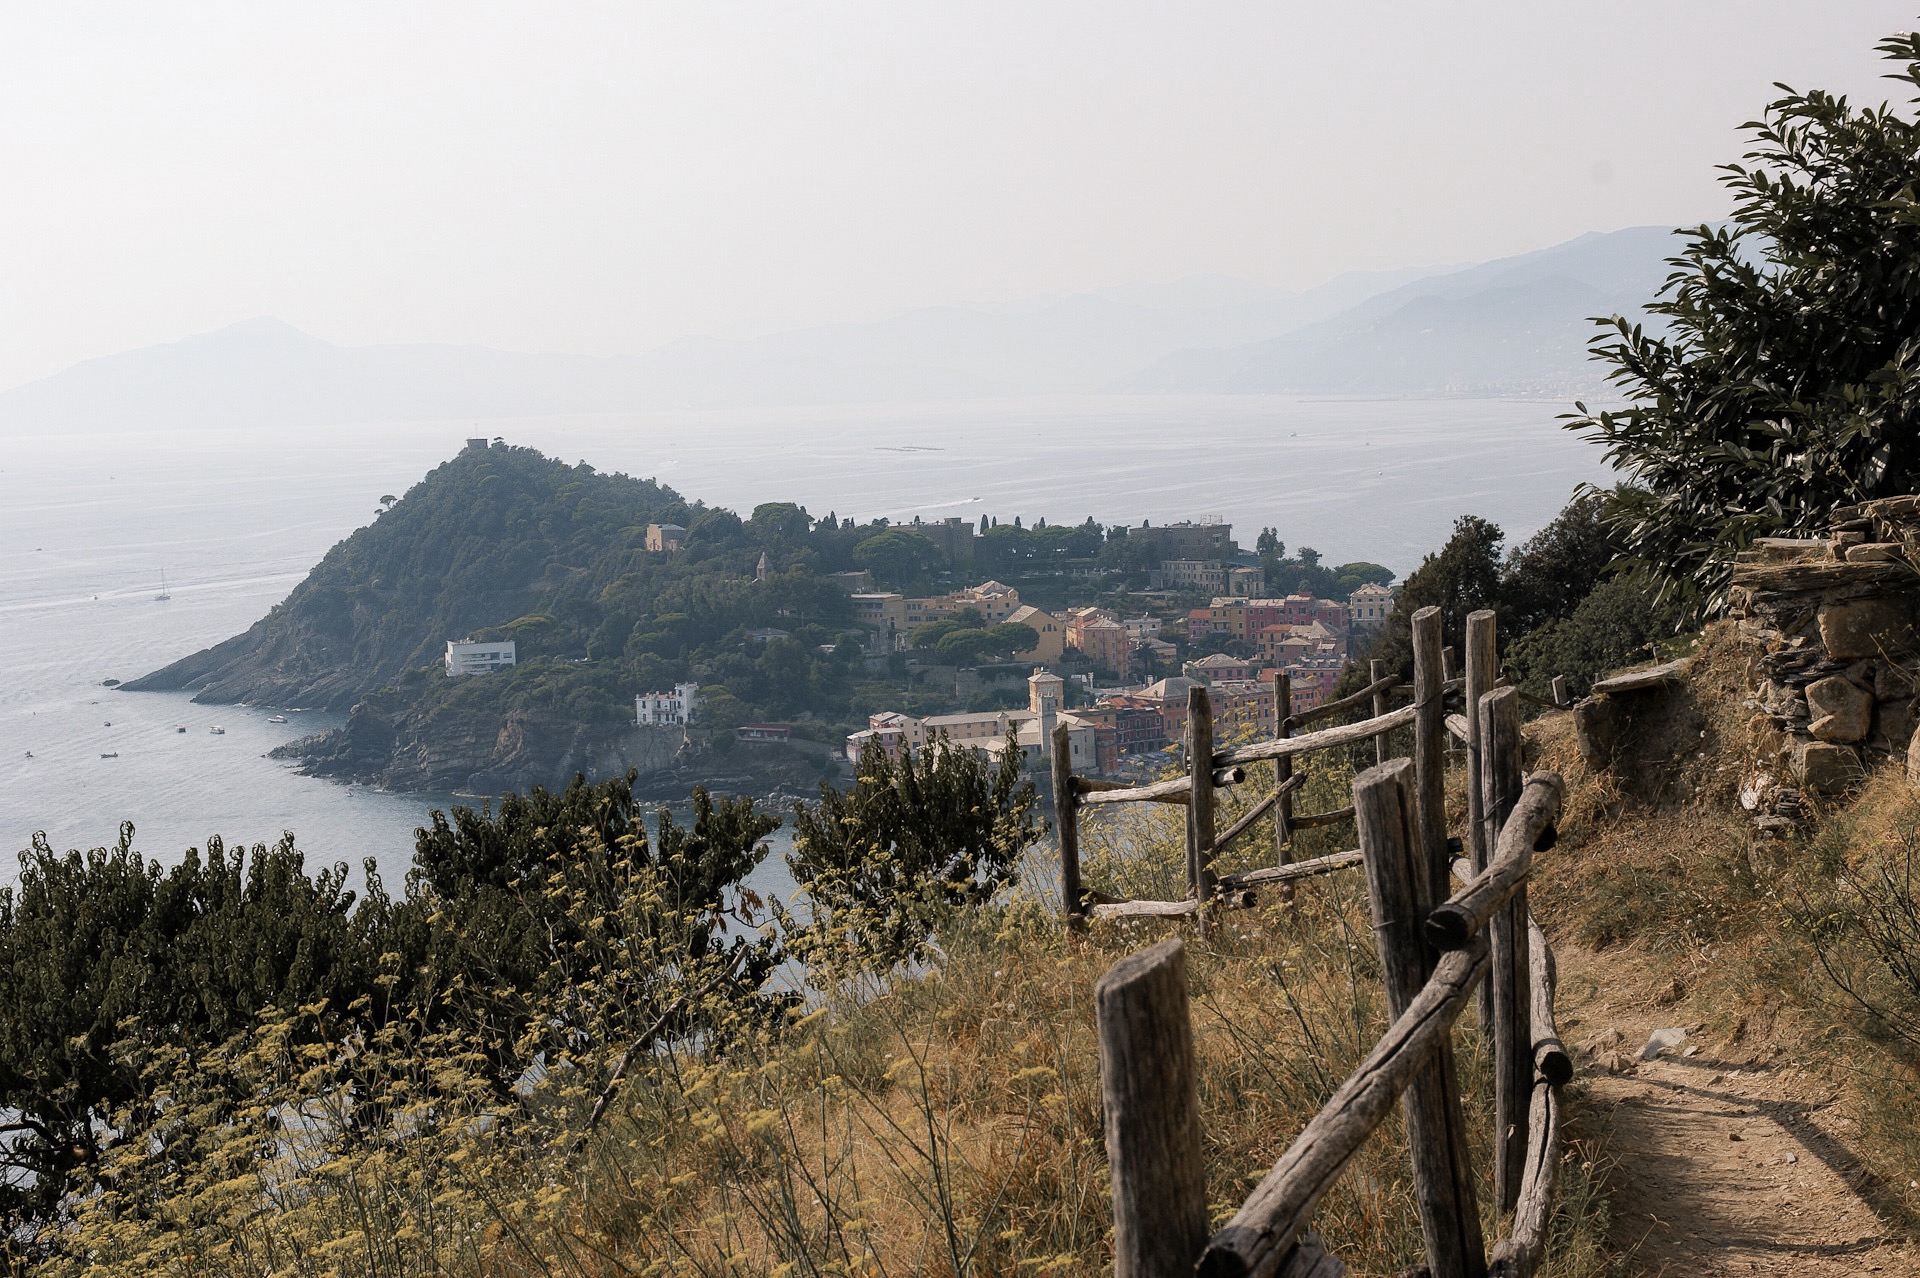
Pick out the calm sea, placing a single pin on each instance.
(88, 525)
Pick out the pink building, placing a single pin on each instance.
(1099, 635)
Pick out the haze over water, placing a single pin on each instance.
(235, 520)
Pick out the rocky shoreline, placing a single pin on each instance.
(485, 754)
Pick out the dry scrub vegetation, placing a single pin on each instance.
(939, 1120)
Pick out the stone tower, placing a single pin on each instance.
(1045, 694)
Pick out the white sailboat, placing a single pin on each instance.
(163, 586)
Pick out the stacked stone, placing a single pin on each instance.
(1831, 624)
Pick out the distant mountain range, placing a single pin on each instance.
(1517, 325)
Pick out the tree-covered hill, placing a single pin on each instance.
(504, 542)
(483, 539)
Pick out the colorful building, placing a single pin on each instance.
(1053, 637)
(1242, 709)
(1218, 668)
(1313, 683)
(885, 611)
(1101, 636)
(1370, 606)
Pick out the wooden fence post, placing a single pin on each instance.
(1429, 758)
(1376, 671)
(1500, 781)
(1200, 793)
(1151, 1110)
(1482, 673)
(1283, 768)
(1436, 1128)
(1066, 826)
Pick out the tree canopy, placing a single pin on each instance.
(1781, 375)
(108, 962)
(1563, 607)
(932, 830)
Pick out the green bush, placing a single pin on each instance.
(1783, 378)
(937, 829)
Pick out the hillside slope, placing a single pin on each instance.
(505, 543)
(262, 372)
(1775, 1137)
(483, 540)
(1517, 324)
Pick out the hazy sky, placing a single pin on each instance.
(604, 177)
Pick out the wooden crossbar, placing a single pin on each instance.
(1467, 911)
(1259, 810)
(1277, 1211)
(1360, 698)
(1325, 739)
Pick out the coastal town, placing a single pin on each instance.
(1256, 650)
(997, 667)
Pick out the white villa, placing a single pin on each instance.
(465, 657)
(667, 709)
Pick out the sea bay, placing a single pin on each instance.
(234, 519)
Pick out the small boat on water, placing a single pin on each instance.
(278, 718)
(163, 587)
(111, 754)
(179, 727)
(217, 730)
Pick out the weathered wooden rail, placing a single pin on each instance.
(1210, 770)
(1438, 946)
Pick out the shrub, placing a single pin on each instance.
(939, 828)
(1785, 378)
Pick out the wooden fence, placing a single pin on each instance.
(1436, 946)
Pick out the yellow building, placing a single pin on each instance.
(992, 600)
(1053, 635)
(881, 611)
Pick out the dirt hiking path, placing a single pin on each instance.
(1728, 1158)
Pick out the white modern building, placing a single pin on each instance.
(667, 709)
(465, 657)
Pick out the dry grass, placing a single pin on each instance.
(944, 1121)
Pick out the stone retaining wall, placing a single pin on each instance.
(1830, 623)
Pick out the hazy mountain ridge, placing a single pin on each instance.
(1517, 325)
